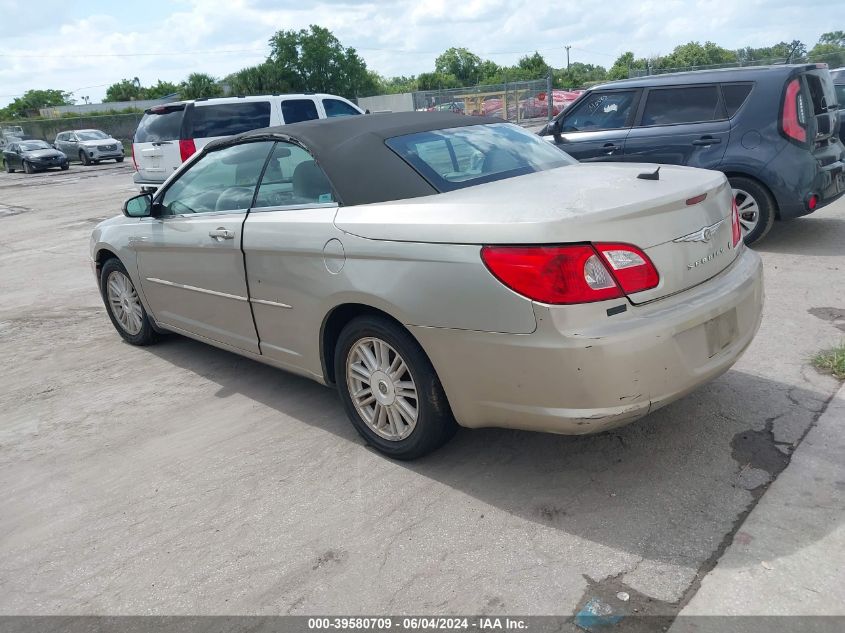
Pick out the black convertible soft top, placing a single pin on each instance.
(352, 152)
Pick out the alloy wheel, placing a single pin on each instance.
(124, 302)
(749, 210)
(382, 388)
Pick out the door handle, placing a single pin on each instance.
(707, 140)
(610, 148)
(222, 234)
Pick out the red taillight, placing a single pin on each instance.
(579, 273)
(812, 202)
(736, 229)
(134, 162)
(631, 267)
(794, 117)
(187, 149)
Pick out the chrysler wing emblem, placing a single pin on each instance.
(701, 235)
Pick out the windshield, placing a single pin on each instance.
(91, 135)
(466, 156)
(28, 146)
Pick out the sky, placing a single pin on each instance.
(83, 46)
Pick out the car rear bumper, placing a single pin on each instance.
(583, 372)
(146, 183)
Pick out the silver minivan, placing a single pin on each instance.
(170, 133)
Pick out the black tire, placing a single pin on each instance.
(119, 159)
(435, 423)
(9, 169)
(28, 168)
(767, 208)
(65, 167)
(83, 158)
(147, 334)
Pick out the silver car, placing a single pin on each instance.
(441, 270)
(89, 146)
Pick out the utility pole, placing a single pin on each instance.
(567, 56)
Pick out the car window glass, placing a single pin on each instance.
(471, 155)
(840, 97)
(690, 104)
(292, 177)
(226, 119)
(296, 110)
(734, 96)
(336, 107)
(600, 111)
(224, 180)
(34, 145)
(160, 124)
(92, 135)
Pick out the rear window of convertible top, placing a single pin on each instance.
(461, 157)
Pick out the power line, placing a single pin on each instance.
(167, 54)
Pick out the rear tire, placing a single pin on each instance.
(83, 158)
(28, 168)
(123, 305)
(406, 414)
(757, 208)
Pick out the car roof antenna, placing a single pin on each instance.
(655, 175)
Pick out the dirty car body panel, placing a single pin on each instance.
(340, 215)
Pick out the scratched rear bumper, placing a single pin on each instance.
(584, 372)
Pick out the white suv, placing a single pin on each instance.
(169, 134)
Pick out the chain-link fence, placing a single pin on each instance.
(119, 126)
(517, 102)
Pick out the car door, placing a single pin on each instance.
(70, 146)
(12, 156)
(189, 254)
(595, 128)
(680, 125)
(288, 248)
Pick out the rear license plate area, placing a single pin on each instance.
(720, 332)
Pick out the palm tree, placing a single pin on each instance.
(199, 85)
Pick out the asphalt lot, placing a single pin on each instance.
(181, 479)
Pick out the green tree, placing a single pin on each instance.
(437, 81)
(830, 49)
(125, 90)
(199, 85)
(265, 78)
(460, 63)
(315, 60)
(533, 67)
(32, 101)
(160, 89)
(580, 75)
(624, 64)
(695, 54)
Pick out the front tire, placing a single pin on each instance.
(83, 158)
(65, 167)
(756, 208)
(28, 168)
(119, 159)
(390, 390)
(125, 309)
(9, 169)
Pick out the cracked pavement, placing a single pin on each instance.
(181, 479)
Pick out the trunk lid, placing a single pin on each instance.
(156, 142)
(580, 203)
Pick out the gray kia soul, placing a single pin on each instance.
(771, 129)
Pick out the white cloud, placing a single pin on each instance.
(56, 47)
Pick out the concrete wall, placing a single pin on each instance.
(403, 102)
(120, 126)
(117, 106)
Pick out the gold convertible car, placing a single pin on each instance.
(441, 270)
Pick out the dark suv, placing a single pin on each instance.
(771, 129)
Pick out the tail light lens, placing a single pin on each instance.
(580, 273)
(134, 162)
(187, 149)
(794, 113)
(736, 229)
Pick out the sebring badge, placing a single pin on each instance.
(703, 234)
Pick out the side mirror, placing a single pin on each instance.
(139, 206)
(554, 130)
